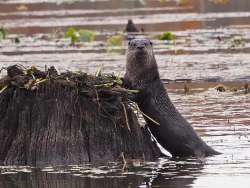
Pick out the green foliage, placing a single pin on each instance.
(79, 36)
(86, 35)
(113, 42)
(72, 34)
(167, 36)
(3, 33)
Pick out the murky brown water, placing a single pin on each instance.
(204, 50)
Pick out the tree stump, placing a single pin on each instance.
(58, 123)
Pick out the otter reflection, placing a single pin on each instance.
(180, 173)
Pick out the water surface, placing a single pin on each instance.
(205, 50)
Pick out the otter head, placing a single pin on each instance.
(141, 64)
(140, 51)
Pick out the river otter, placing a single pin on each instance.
(174, 133)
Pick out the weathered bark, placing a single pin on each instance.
(57, 125)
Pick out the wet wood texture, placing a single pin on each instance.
(55, 125)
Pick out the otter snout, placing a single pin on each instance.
(140, 46)
(140, 43)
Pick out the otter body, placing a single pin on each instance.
(174, 133)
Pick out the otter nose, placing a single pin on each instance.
(140, 46)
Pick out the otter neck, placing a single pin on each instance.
(141, 74)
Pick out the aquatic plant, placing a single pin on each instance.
(166, 36)
(72, 34)
(113, 42)
(82, 35)
(3, 33)
(86, 35)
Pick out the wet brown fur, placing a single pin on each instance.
(174, 133)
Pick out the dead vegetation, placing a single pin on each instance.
(105, 89)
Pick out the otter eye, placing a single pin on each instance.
(151, 43)
(129, 43)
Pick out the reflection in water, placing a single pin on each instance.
(180, 173)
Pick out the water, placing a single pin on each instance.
(204, 50)
(222, 119)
